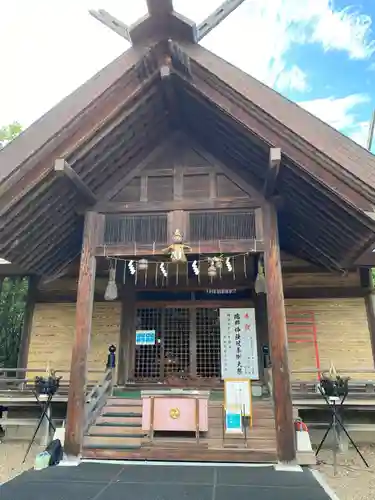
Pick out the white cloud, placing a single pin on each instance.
(293, 79)
(360, 133)
(337, 112)
(55, 47)
(341, 114)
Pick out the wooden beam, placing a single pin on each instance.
(204, 247)
(270, 182)
(367, 283)
(277, 330)
(112, 23)
(63, 168)
(166, 206)
(217, 17)
(93, 232)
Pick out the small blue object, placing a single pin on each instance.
(145, 337)
(233, 421)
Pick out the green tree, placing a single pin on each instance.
(13, 291)
(13, 298)
(9, 132)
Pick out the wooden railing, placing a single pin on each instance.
(97, 398)
(358, 387)
(22, 379)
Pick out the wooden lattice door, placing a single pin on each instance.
(170, 355)
(207, 337)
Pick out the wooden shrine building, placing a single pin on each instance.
(263, 207)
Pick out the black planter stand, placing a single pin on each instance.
(335, 393)
(46, 387)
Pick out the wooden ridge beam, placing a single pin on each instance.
(159, 7)
(217, 17)
(272, 174)
(63, 169)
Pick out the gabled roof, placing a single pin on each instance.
(114, 121)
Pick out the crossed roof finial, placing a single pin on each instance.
(174, 25)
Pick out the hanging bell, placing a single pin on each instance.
(143, 265)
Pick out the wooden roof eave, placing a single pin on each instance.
(58, 127)
(338, 162)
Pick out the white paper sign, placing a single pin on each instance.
(239, 353)
(238, 396)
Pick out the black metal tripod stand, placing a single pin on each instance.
(335, 424)
(45, 407)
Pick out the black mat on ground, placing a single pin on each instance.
(90, 481)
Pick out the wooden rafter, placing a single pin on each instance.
(62, 168)
(270, 182)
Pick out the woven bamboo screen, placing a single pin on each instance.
(343, 336)
(53, 329)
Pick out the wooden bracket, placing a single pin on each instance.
(63, 168)
(270, 182)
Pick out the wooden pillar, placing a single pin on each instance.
(92, 234)
(23, 353)
(285, 433)
(367, 284)
(127, 332)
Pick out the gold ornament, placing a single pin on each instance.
(174, 413)
(177, 249)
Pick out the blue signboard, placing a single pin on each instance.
(233, 422)
(145, 337)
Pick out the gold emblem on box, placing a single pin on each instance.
(174, 413)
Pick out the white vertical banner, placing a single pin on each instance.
(238, 339)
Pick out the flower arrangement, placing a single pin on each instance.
(49, 384)
(333, 384)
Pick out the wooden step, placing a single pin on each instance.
(101, 430)
(119, 421)
(118, 411)
(113, 401)
(110, 442)
(191, 454)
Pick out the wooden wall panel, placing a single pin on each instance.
(131, 192)
(315, 279)
(53, 332)
(342, 333)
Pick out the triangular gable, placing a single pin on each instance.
(318, 149)
(180, 152)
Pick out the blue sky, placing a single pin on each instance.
(319, 53)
